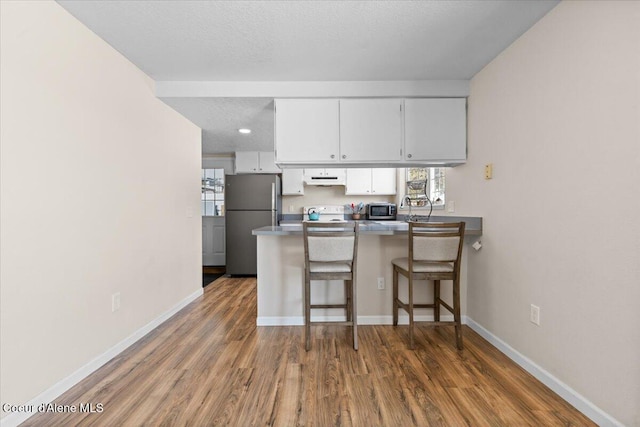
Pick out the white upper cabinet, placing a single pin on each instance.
(367, 182)
(358, 181)
(370, 130)
(292, 182)
(256, 162)
(307, 130)
(267, 162)
(435, 129)
(383, 181)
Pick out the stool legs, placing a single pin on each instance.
(456, 312)
(436, 300)
(409, 306)
(353, 313)
(411, 340)
(395, 296)
(350, 310)
(348, 299)
(307, 312)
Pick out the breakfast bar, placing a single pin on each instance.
(280, 273)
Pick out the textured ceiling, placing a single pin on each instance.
(220, 119)
(300, 41)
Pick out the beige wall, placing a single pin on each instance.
(98, 181)
(558, 115)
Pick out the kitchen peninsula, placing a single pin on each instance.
(281, 273)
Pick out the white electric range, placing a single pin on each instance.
(327, 213)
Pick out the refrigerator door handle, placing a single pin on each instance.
(273, 204)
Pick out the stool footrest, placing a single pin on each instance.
(447, 306)
(433, 323)
(328, 306)
(405, 306)
(332, 323)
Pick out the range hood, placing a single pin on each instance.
(325, 177)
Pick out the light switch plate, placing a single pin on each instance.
(115, 302)
(488, 171)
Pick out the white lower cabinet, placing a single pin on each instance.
(292, 182)
(213, 241)
(368, 182)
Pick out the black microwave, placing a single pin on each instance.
(381, 211)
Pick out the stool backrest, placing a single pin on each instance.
(436, 241)
(327, 242)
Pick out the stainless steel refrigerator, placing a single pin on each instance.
(252, 201)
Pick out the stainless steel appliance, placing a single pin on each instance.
(323, 213)
(252, 201)
(381, 211)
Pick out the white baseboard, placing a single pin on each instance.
(279, 321)
(65, 384)
(582, 404)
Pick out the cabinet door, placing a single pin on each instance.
(267, 162)
(207, 241)
(213, 241)
(370, 130)
(246, 162)
(219, 251)
(358, 182)
(383, 181)
(435, 129)
(292, 182)
(307, 130)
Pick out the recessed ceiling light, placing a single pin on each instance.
(243, 130)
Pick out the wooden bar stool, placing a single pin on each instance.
(330, 253)
(435, 251)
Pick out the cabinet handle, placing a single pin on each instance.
(333, 156)
(344, 156)
(408, 156)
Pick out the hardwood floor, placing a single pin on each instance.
(210, 365)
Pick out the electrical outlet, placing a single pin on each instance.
(451, 206)
(115, 302)
(381, 283)
(534, 315)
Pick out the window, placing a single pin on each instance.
(423, 182)
(212, 192)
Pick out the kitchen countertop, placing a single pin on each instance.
(473, 227)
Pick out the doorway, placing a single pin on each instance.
(213, 224)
